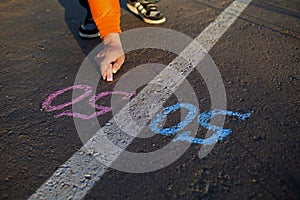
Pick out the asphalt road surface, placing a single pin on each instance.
(258, 58)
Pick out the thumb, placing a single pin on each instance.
(118, 63)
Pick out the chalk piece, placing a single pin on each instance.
(109, 73)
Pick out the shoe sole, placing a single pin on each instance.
(91, 36)
(148, 21)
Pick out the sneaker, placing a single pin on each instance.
(147, 11)
(88, 29)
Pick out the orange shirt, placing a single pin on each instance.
(106, 15)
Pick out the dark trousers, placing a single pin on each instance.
(85, 4)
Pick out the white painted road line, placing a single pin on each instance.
(78, 175)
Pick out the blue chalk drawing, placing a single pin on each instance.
(220, 133)
(185, 137)
(192, 113)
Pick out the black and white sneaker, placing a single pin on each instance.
(147, 11)
(88, 29)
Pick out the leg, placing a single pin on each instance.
(88, 29)
(85, 4)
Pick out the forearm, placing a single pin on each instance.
(106, 15)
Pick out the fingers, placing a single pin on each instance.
(118, 63)
(103, 69)
(106, 67)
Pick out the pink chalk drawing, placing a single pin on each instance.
(47, 104)
(69, 113)
(48, 101)
(96, 97)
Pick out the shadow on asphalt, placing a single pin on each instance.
(74, 16)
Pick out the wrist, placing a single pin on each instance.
(112, 38)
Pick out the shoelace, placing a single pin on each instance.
(152, 10)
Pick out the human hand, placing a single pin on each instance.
(112, 57)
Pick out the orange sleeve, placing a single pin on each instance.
(106, 15)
